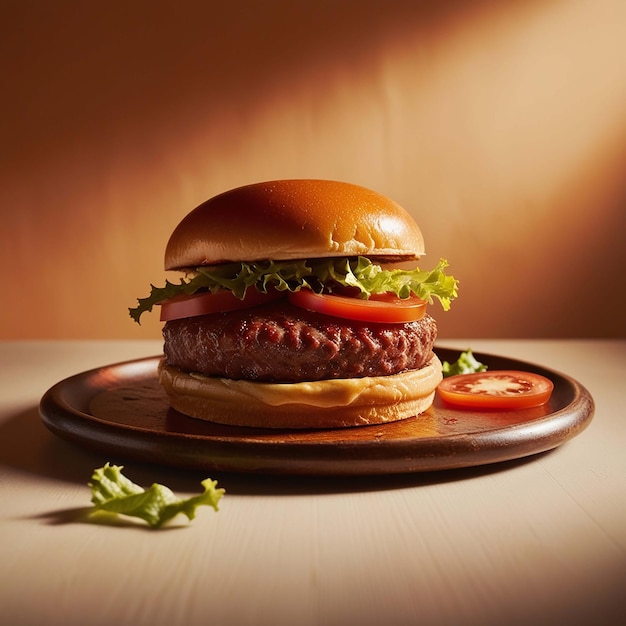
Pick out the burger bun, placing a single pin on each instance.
(293, 219)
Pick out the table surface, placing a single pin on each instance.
(535, 541)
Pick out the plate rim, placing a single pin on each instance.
(72, 423)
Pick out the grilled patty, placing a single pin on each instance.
(279, 342)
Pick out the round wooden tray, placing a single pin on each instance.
(121, 409)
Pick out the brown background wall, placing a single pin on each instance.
(500, 125)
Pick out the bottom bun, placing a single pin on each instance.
(335, 403)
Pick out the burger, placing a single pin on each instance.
(295, 309)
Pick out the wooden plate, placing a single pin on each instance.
(121, 409)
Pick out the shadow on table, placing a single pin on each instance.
(28, 446)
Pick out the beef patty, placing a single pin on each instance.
(282, 343)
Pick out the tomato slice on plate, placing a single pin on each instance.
(205, 303)
(384, 308)
(497, 389)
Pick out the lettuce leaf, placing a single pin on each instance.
(467, 363)
(320, 275)
(111, 491)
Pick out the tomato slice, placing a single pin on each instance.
(385, 308)
(497, 389)
(205, 303)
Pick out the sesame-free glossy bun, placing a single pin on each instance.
(294, 219)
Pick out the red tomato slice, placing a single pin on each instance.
(205, 303)
(384, 308)
(497, 389)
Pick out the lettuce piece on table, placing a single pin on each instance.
(113, 492)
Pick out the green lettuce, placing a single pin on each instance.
(320, 275)
(111, 491)
(467, 363)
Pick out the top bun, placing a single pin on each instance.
(293, 219)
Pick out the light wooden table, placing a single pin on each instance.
(540, 541)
